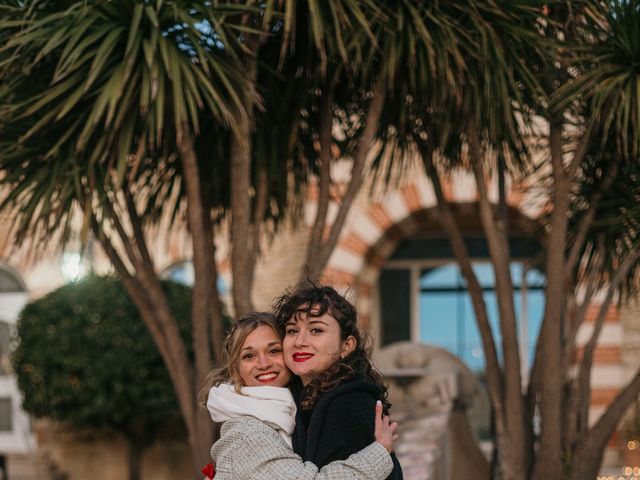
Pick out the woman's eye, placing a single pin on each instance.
(291, 331)
(316, 330)
(276, 350)
(247, 356)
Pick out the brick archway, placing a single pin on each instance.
(375, 231)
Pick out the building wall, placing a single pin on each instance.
(100, 456)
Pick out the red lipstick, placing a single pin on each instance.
(301, 356)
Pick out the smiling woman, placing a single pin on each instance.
(314, 343)
(261, 360)
(326, 350)
(249, 396)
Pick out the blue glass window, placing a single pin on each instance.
(446, 314)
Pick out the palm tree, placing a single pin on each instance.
(510, 71)
(100, 101)
(127, 112)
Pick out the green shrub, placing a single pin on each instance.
(85, 357)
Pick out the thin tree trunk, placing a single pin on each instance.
(202, 289)
(215, 304)
(549, 456)
(147, 295)
(587, 458)
(324, 183)
(202, 259)
(574, 423)
(367, 138)
(259, 209)
(493, 370)
(515, 464)
(134, 460)
(584, 376)
(241, 242)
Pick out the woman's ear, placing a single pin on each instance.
(348, 346)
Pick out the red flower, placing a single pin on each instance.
(209, 471)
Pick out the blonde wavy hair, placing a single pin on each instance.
(233, 342)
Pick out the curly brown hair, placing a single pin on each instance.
(314, 301)
(233, 342)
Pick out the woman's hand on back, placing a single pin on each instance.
(386, 431)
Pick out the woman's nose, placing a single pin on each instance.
(264, 361)
(301, 339)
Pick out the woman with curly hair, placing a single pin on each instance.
(336, 383)
(249, 397)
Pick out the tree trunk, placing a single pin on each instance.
(473, 465)
(134, 459)
(513, 463)
(202, 258)
(495, 383)
(549, 456)
(241, 241)
(201, 432)
(367, 138)
(146, 292)
(324, 184)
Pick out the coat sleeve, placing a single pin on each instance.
(348, 426)
(255, 451)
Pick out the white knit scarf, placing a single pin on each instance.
(272, 405)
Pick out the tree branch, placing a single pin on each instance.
(587, 220)
(138, 234)
(260, 207)
(215, 304)
(584, 376)
(374, 113)
(498, 243)
(324, 197)
(593, 283)
(124, 236)
(494, 372)
(596, 439)
(155, 318)
(550, 354)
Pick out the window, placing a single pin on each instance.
(447, 318)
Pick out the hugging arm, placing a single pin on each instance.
(257, 452)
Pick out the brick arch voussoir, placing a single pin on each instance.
(372, 236)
